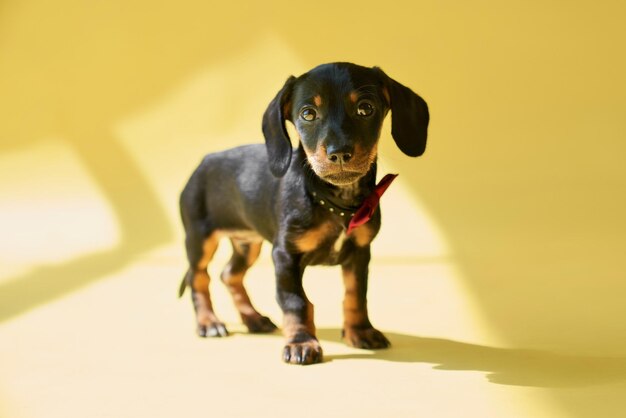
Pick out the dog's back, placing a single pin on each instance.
(232, 190)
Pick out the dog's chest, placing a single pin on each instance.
(329, 244)
(323, 244)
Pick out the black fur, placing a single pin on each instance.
(268, 189)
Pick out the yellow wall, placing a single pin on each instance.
(524, 172)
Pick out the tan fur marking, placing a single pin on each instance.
(234, 282)
(202, 299)
(354, 312)
(354, 96)
(316, 157)
(253, 254)
(353, 318)
(364, 158)
(363, 235)
(239, 295)
(312, 238)
(200, 282)
(371, 153)
(240, 235)
(292, 324)
(317, 100)
(209, 247)
(362, 161)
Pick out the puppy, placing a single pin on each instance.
(317, 204)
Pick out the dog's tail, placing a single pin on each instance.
(183, 285)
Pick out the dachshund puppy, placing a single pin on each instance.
(317, 204)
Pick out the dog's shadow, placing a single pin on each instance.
(506, 366)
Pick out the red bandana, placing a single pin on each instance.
(365, 212)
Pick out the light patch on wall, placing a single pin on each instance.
(50, 210)
(216, 108)
(408, 232)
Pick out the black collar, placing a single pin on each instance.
(329, 196)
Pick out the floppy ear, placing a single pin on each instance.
(277, 139)
(409, 117)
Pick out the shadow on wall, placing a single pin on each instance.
(72, 71)
(503, 366)
(141, 219)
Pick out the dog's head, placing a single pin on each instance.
(338, 110)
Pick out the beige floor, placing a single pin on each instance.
(122, 345)
(499, 272)
(125, 346)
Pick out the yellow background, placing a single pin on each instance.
(504, 297)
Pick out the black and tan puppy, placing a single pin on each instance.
(302, 201)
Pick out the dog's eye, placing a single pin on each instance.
(308, 114)
(364, 108)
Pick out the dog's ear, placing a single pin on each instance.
(277, 139)
(409, 116)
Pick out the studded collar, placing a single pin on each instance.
(329, 197)
(354, 212)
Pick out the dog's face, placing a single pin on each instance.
(338, 110)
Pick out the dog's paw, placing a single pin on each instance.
(365, 338)
(305, 352)
(258, 324)
(216, 329)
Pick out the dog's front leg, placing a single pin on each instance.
(299, 329)
(357, 329)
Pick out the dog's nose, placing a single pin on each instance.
(339, 156)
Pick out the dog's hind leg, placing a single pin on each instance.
(245, 253)
(200, 252)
